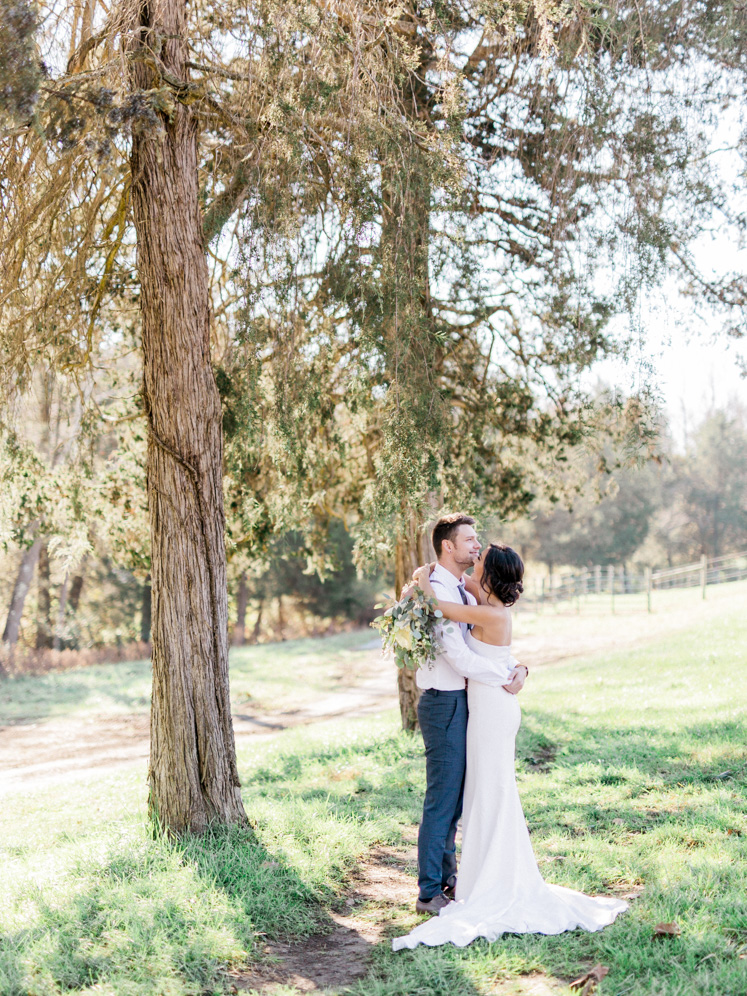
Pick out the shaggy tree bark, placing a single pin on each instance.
(404, 239)
(193, 776)
(413, 549)
(413, 360)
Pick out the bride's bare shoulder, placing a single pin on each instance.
(497, 621)
(492, 614)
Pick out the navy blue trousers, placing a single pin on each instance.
(443, 722)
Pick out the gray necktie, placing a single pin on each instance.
(463, 593)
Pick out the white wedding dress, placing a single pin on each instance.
(499, 886)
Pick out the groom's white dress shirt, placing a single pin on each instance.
(456, 661)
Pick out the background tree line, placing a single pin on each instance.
(689, 501)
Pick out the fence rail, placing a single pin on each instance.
(616, 580)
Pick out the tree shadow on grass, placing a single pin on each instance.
(140, 919)
(155, 916)
(635, 760)
(153, 911)
(311, 948)
(666, 755)
(638, 759)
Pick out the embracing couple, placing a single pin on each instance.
(469, 716)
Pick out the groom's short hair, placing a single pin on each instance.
(446, 528)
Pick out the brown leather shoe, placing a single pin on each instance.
(432, 906)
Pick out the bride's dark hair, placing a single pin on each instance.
(502, 573)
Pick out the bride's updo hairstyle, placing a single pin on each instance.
(502, 573)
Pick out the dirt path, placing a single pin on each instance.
(380, 889)
(51, 752)
(48, 752)
(377, 906)
(55, 751)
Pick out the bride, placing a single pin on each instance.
(499, 888)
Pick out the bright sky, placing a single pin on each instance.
(692, 369)
(694, 365)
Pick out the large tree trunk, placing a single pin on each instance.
(242, 599)
(412, 549)
(406, 240)
(413, 353)
(414, 356)
(20, 591)
(193, 776)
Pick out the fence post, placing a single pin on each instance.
(703, 574)
(598, 579)
(648, 588)
(611, 581)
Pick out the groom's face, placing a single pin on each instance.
(466, 546)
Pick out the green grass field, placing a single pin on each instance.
(633, 773)
(265, 677)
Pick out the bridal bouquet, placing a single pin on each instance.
(408, 628)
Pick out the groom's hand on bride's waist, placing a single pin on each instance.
(517, 682)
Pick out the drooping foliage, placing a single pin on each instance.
(424, 342)
(410, 212)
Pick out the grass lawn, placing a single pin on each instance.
(264, 677)
(633, 773)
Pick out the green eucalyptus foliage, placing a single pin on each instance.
(409, 629)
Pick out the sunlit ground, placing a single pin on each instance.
(632, 765)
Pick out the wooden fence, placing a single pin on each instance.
(617, 580)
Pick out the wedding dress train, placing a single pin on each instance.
(499, 886)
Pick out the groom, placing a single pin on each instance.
(442, 713)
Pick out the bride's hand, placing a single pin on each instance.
(422, 576)
(517, 682)
(408, 589)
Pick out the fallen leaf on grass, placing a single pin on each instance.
(667, 930)
(587, 983)
(618, 822)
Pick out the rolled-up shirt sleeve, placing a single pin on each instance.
(465, 661)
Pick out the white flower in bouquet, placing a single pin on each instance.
(408, 628)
